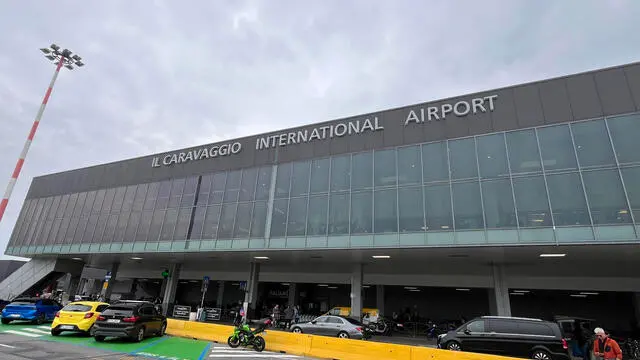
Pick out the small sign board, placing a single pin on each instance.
(181, 311)
(206, 280)
(212, 314)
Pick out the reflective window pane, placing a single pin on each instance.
(63, 231)
(77, 210)
(492, 156)
(211, 221)
(296, 224)
(205, 189)
(182, 225)
(259, 219)
(118, 199)
(88, 204)
(143, 228)
(129, 195)
(300, 178)
(279, 218)
(498, 204)
(385, 212)
(218, 182)
(462, 155)
(338, 214)
(82, 225)
(437, 205)
(227, 219)
(411, 207)
(317, 219)
(64, 200)
(169, 225)
(384, 168)
(138, 201)
(232, 187)
(340, 173)
(198, 223)
(189, 193)
(409, 165)
(320, 176)
(264, 183)
(624, 132)
(532, 202)
(243, 221)
(606, 197)
(132, 227)
(283, 180)
(524, 156)
(631, 177)
(567, 200)
(110, 229)
(556, 148)
(73, 199)
(362, 165)
(592, 143)
(361, 212)
(467, 208)
(248, 185)
(435, 162)
(152, 196)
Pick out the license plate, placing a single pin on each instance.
(15, 315)
(66, 327)
(113, 321)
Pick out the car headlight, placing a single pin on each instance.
(441, 336)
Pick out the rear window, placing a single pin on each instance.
(24, 302)
(126, 311)
(536, 329)
(76, 308)
(353, 321)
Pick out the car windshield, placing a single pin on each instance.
(353, 321)
(23, 302)
(76, 308)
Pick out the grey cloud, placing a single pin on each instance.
(162, 75)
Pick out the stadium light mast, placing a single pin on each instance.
(59, 57)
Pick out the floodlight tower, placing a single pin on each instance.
(60, 57)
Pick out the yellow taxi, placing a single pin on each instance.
(345, 311)
(77, 317)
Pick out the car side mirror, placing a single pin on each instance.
(467, 331)
(314, 322)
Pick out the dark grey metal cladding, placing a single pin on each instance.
(576, 97)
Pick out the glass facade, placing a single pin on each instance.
(568, 183)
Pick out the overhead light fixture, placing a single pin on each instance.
(410, 287)
(136, 258)
(589, 293)
(415, 290)
(578, 295)
(521, 291)
(381, 256)
(323, 285)
(77, 259)
(366, 286)
(552, 255)
(462, 289)
(235, 284)
(285, 284)
(261, 257)
(333, 287)
(517, 293)
(194, 281)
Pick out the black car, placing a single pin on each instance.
(509, 336)
(130, 319)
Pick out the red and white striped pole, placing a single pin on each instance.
(16, 172)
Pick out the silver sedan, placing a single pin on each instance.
(329, 325)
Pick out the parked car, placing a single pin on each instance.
(329, 325)
(508, 336)
(35, 310)
(130, 319)
(78, 317)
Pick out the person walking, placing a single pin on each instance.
(276, 315)
(288, 316)
(605, 347)
(296, 314)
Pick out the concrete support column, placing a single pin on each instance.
(499, 295)
(169, 295)
(89, 286)
(251, 292)
(107, 286)
(356, 292)
(82, 285)
(380, 298)
(72, 288)
(293, 294)
(220, 298)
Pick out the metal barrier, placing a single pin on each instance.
(323, 347)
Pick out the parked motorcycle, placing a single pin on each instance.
(381, 327)
(244, 336)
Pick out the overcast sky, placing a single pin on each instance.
(162, 75)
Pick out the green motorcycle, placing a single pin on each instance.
(244, 336)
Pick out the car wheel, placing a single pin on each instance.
(99, 338)
(6, 321)
(163, 329)
(454, 346)
(140, 335)
(343, 335)
(55, 332)
(296, 330)
(40, 319)
(90, 331)
(540, 355)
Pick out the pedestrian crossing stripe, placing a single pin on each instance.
(225, 352)
(37, 331)
(16, 332)
(30, 331)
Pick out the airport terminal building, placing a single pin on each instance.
(516, 201)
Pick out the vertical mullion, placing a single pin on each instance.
(546, 185)
(513, 192)
(584, 189)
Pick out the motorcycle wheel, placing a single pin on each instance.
(233, 341)
(259, 344)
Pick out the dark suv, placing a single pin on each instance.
(130, 319)
(508, 336)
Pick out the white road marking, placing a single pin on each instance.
(16, 332)
(8, 346)
(254, 355)
(37, 331)
(44, 327)
(225, 352)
